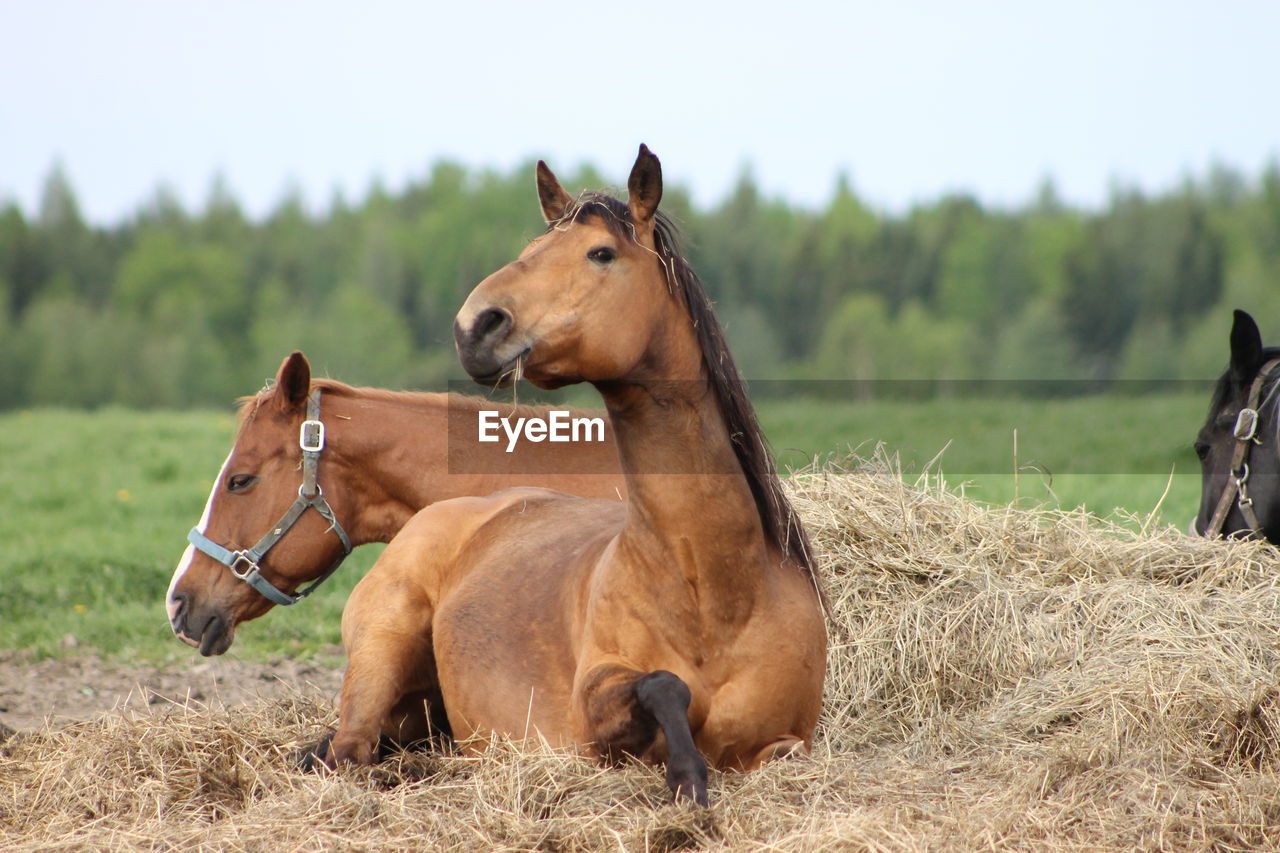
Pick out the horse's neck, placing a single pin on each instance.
(394, 457)
(691, 508)
(397, 460)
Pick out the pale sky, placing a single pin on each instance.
(911, 98)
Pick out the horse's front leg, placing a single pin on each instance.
(624, 711)
(390, 673)
(391, 681)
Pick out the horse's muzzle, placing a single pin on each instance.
(207, 630)
(481, 347)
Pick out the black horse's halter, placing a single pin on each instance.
(246, 564)
(1246, 436)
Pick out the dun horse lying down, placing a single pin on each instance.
(683, 626)
(378, 457)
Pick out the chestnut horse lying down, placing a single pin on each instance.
(378, 457)
(684, 626)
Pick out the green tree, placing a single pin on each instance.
(1100, 300)
(164, 278)
(24, 259)
(10, 377)
(857, 343)
(1035, 346)
(929, 348)
(362, 340)
(71, 353)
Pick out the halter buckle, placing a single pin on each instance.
(1246, 424)
(311, 436)
(250, 565)
(1242, 476)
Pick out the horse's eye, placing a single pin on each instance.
(602, 254)
(240, 482)
(1202, 450)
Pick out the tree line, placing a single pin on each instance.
(180, 308)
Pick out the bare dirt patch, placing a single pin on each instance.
(82, 687)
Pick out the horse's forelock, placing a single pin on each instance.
(249, 406)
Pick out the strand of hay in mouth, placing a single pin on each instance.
(999, 679)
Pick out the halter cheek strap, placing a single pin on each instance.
(246, 564)
(1245, 432)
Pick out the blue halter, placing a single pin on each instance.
(246, 565)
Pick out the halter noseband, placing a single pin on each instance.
(1245, 433)
(246, 564)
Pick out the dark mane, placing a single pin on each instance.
(781, 523)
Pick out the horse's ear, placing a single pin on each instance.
(294, 380)
(644, 186)
(1246, 346)
(555, 201)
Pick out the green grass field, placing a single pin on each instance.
(95, 507)
(1103, 453)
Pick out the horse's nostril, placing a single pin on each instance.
(491, 323)
(178, 607)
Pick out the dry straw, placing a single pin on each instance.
(999, 679)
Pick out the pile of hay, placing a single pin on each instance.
(999, 679)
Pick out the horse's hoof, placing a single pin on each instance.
(687, 778)
(315, 758)
(348, 749)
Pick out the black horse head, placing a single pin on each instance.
(1237, 446)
